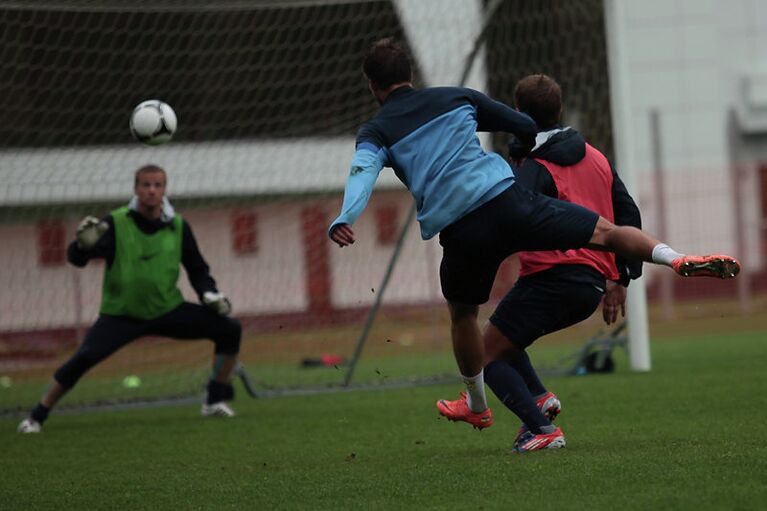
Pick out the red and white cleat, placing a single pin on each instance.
(549, 405)
(532, 442)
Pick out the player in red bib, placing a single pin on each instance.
(556, 289)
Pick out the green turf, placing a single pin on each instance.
(688, 435)
(159, 384)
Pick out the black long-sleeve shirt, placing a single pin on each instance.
(567, 148)
(196, 268)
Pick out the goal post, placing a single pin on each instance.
(269, 96)
(620, 96)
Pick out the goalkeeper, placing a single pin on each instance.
(143, 245)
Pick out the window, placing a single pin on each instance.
(386, 225)
(244, 233)
(51, 249)
(763, 187)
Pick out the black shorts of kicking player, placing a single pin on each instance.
(516, 220)
(548, 301)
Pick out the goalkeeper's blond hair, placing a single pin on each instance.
(146, 169)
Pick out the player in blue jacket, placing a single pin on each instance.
(469, 197)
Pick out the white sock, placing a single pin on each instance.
(475, 392)
(663, 254)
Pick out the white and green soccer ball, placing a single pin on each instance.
(153, 122)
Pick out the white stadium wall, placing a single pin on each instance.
(688, 60)
(275, 279)
(683, 59)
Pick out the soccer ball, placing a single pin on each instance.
(153, 122)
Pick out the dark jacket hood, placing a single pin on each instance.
(561, 146)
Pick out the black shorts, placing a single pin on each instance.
(187, 321)
(516, 220)
(545, 302)
(110, 333)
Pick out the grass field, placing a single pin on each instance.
(688, 435)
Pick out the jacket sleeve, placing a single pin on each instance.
(494, 116)
(196, 268)
(626, 213)
(369, 159)
(534, 176)
(104, 248)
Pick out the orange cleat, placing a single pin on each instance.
(722, 266)
(459, 411)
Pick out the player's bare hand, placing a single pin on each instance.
(614, 302)
(343, 235)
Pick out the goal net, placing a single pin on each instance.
(269, 96)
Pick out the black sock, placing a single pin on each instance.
(218, 392)
(521, 363)
(508, 386)
(40, 413)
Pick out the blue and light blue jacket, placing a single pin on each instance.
(428, 137)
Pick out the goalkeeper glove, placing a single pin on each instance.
(89, 231)
(218, 302)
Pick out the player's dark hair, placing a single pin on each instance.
(147, 169)
(540, 97)
(386, 63)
